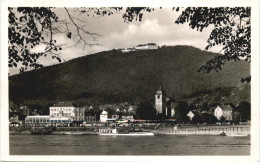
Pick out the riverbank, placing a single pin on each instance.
(229, 130)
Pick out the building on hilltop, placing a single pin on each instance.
(152, 46)
(146, 46)
(128, 50)
(160, 101)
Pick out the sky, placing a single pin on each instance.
(156, 27)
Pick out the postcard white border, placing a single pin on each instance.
(137, 3)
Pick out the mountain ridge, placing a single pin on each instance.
(113, 77)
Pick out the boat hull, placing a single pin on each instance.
(128, 134)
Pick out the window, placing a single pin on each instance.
(158, 96)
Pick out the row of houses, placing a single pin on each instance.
(166, 107)
(147, 46)
(219, 112)
(67, 114)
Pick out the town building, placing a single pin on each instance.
(127, 116)
(103, 116)
(25, 110)
(218, 113)
(37, 120)
(170, 105)
(90, 118)
(190, 115)
(227, 112)
(160, 101)
(67, 112)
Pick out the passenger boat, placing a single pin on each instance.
(237, 135)
(115, 132)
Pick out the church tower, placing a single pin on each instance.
(160, 101)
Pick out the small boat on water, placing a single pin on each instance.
(116, 132)
(233, 135)
(73, 133)
(223, 134)
(43, 131)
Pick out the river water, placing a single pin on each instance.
(128, 145)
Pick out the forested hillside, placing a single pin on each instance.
(113, 77)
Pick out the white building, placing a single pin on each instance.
(146, 46)
(103, 116)
(67, 112)
(190, 115)
(128, 50)
(141, 47)
(227, 112)
(160, 101)
(218, 113)
(152, 46)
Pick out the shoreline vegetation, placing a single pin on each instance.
(232, 130)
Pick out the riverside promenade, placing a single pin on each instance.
(232, 130)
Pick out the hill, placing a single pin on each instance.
(113, 77)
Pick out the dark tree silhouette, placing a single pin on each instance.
(197, 119)
(245, 110)
(181, 111)
(30, 27)
(145, 111)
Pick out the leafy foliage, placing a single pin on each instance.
(181, 111)
(232, 31)
(244, 108)
(145, 111)
(27, 28)
(30, 27)
(135, 13)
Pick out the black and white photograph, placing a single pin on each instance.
(163, 81)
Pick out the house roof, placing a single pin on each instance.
(226, 108)
(160, 90)
(104, 112)
(64, 104)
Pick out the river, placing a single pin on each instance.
(128, 145)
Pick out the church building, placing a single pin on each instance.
(160, 101)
